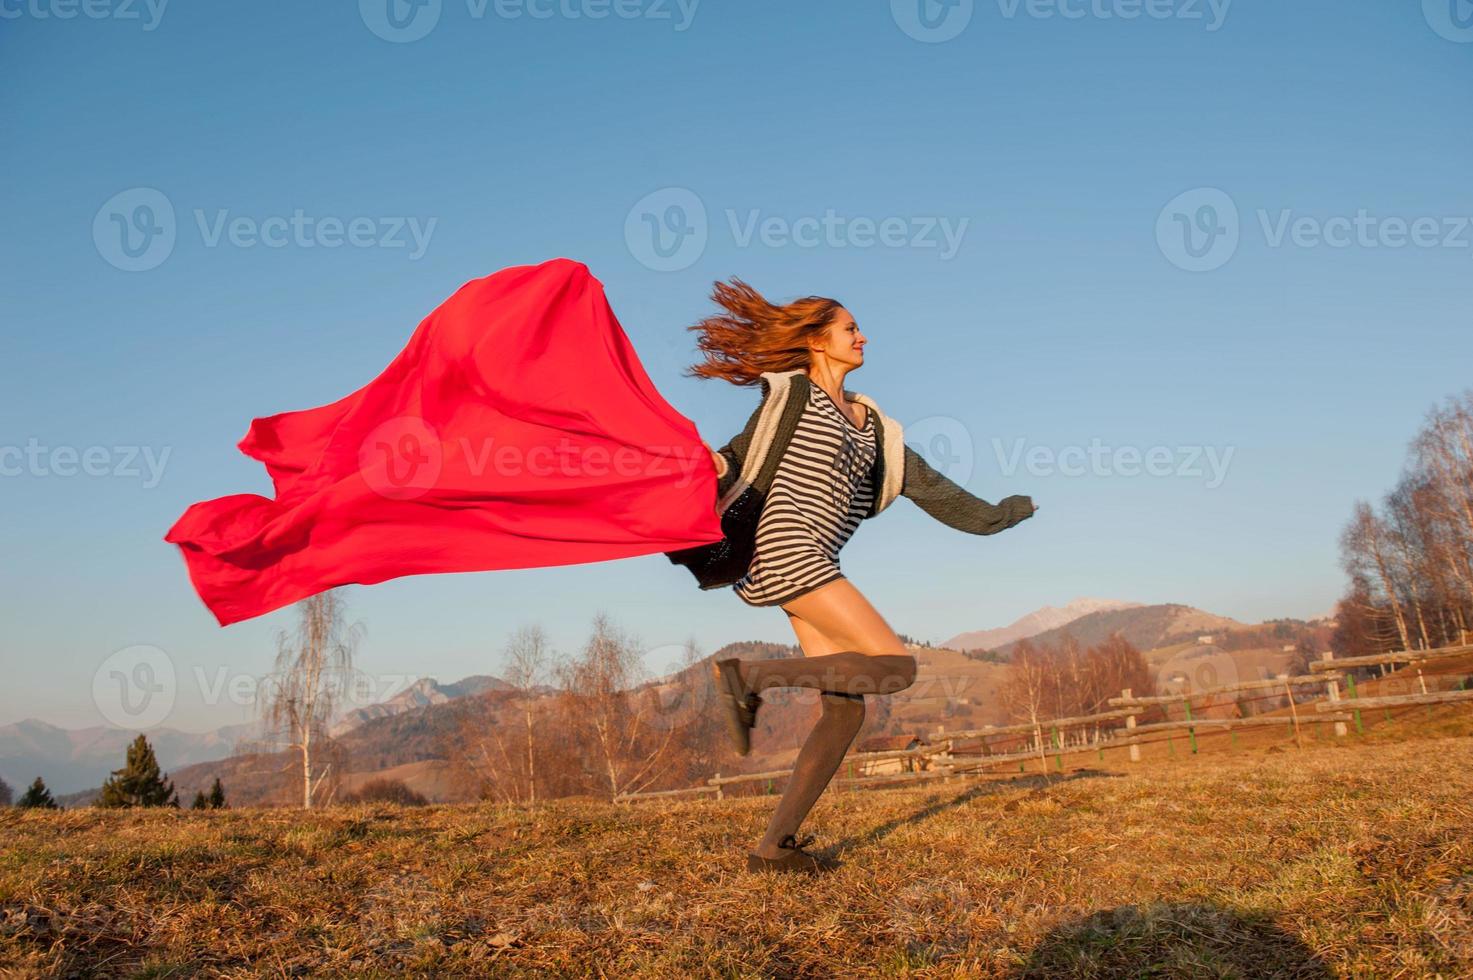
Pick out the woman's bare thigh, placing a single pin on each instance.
(836, 617)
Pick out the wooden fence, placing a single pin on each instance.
(949, 753)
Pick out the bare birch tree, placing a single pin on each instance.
(1411, 565)
(1364, 553)
(505, 758)
(1026, 691)
(313, 664)
(625, 740)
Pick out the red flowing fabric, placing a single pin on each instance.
(517, 429)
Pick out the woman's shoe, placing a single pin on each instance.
(794, 858)
(741, 706)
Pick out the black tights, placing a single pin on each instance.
(844, 679)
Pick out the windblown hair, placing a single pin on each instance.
(753, 335)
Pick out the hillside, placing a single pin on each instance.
(425, 691)
(1038, 621)
(1338, 860)
(951, 690)
(74, 759)
(1146, 627)
(409, 737)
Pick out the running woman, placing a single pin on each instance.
(813, 461)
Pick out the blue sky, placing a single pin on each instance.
(1233, 231)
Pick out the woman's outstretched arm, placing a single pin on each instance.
(953, 506)
(729, 458)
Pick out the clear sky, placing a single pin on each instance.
(1074, 231)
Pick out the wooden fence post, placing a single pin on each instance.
(1293, 709)
(1135, 749)
(719, 794)
(1332, 686)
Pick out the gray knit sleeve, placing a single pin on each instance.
(953, 506)
(735, 450)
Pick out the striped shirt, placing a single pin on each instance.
(820, 492)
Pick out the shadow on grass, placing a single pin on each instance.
(1169, 939)
(1036, 782)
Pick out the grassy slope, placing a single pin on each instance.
(1351, 858)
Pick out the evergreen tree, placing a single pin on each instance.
(139, 782)
(7, 795)
(38, 796)
(214, 801)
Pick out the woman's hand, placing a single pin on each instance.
(717, 460)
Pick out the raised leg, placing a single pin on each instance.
(847, 647)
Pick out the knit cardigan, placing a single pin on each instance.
(747, 464)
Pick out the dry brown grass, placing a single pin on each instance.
(1350, 859)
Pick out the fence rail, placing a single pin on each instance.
(946, 761)
(1399, 657)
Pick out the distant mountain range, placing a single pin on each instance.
(405, 733)
(1146, 627)
(78, 758)
(1036, 622)
(71, 760)
(424, 691)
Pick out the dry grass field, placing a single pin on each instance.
(1349, 858)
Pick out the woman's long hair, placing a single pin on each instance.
(753, 335)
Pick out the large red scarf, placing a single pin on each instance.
(517, 429)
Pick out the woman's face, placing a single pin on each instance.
(843, 342)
